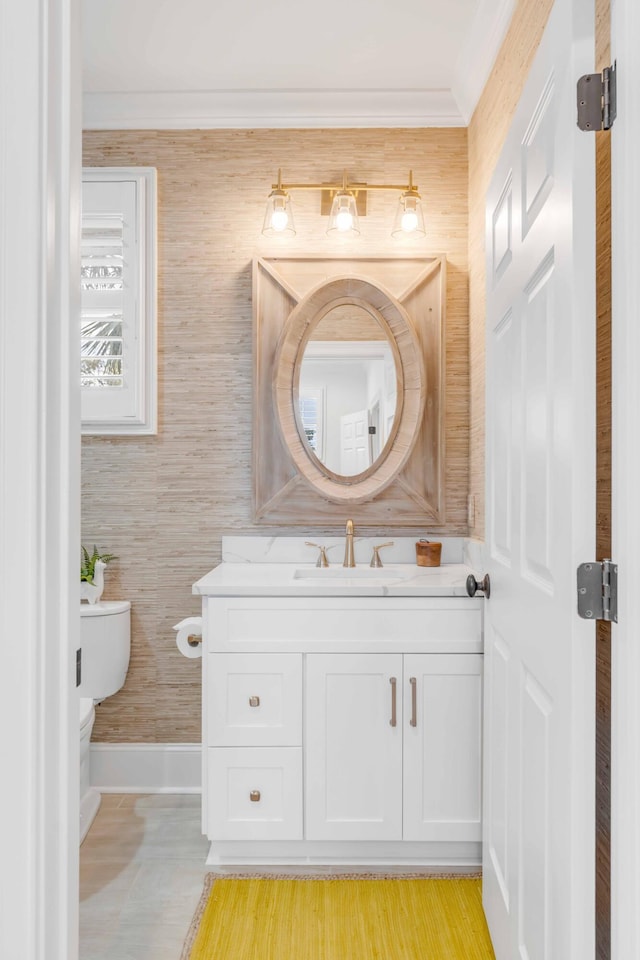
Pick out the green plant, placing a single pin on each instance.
(89, 560)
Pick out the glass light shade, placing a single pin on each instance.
(278, 217)
(344, 215)
(409, 219)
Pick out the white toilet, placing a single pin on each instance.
(105, 630)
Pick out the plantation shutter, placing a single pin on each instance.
(117, 359)
(311, 409)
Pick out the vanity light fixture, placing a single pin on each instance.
(278, 218)
(347, 201)
(344, 213)
(409, 219)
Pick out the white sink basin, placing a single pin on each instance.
(352, 573)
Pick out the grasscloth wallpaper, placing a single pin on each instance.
(162, 503)
(603, 501)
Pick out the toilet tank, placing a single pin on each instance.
(105, 632)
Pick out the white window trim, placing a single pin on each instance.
(145, 419)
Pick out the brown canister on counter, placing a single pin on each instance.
(428, 553)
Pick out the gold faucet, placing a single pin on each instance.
(349, 559)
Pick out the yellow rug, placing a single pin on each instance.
(338, 918)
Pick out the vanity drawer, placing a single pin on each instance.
(345, 624)
(255, 699)
(255, 793)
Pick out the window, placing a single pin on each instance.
(311, 415)
(118, 284)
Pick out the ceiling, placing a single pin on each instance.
(241, 63)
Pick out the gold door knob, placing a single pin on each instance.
(254, 701)
(254, 796)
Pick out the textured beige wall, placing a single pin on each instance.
(162, 503)
(603, 502)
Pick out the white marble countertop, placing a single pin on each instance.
(307, 580)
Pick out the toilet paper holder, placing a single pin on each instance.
(189, 637)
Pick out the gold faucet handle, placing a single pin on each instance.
(375, 558)
(322, 556)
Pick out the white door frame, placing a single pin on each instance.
(40, 154)
(625, 641)
(39, 479)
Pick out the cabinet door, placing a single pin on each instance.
(353, 751)
(442, 747)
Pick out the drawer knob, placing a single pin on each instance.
(254, 796)
(254, 701)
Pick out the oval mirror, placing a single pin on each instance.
(349, 311)
(347, 391)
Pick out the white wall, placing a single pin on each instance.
(345, 383)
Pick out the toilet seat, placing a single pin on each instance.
(104, 608)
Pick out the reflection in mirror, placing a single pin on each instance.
(347, 390)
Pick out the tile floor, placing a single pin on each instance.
(142, 866)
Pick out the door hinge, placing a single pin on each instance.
(597, 100)
(598, 591)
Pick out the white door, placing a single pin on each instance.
(354, 443)
(374, 431)
(538, 816)
(353, 784)
(442, 734)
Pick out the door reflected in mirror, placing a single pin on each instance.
(347, 390)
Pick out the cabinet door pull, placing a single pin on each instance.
(394, 695)
(414, 703)
(254, 701)
(254, 796)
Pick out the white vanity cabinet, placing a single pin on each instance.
(342, 729)
(396, 747)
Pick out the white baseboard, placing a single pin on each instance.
(146, 767)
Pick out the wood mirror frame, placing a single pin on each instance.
(411, 387)
(290, 296)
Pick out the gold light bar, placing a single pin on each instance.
(344, 202)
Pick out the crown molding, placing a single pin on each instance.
(248, 109)
(478, 53)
